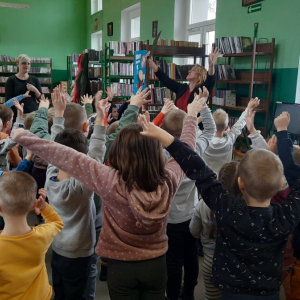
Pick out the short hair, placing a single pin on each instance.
(134, 156)
(74, 139)
(23, 57)
(221, 119)
(18, 193)
(261, 171)
(112, 127)
(114, 106)
(228, 176)
(173, 122)
(6, 113)
(202, 74)
(297, 154)
(29, 120)
(1, 124)
(75, 116)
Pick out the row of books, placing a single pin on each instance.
(6, 58)
(95, 71)
(11, 69)
(94, 55)
(45, 90)
(232, 121)
(121, 89)
(224, 72)
(117, 68)
(224, 98)
(2, 100)
(95, 86)
(184, 43)
(157, 94)
(44, 79)
(2, 89)
(74, 71)
(124, 48)
(237, 44)
(3, 79)
(74, 57)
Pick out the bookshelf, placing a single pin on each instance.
(252, 78)
(4, 74)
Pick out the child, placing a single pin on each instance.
(10, 102)
(182, 251)
(136, 200)
(220, 147)
(23, 273)
(252, 233)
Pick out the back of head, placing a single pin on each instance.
(221, 119)
(74, 139)
(173, 122)
(261, 172)
(139, 160)
(18, 193)
(6, 113)
(228, 176)
(29, 120)
(75, 116)
(113, 127)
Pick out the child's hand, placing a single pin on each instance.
(58, 102)
(44, 102)
(29, 155)
(250, 121)
(272, 144)
(139, 98)
(41, 202)
(169, 105)
(109, 118)
(17, 132)
(282, 121)
(204, 93)
(26, 95)
(253, 103)
(101, 107)
(87, 99)
(196, 106)
(110, 94)
(19, 107)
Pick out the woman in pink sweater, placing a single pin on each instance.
(136, 190)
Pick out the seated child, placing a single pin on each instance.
(23, 273)
(133, 236)
(220, 147)
(252, 232)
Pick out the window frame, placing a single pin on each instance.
(133, 15)
(95, 4)
(99, 35)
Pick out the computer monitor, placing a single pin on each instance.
(294, 110)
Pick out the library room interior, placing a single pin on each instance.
(149, 150)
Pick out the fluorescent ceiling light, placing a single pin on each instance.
(12, 5)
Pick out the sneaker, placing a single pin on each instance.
(103, 272)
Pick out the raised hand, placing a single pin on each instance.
(19, 107)
(213, 56)
(282, 121)
(101, 107)
(139, 98)
(169, 105)
(59, 103)
(250, 121)
(196, 106)
(151, 63)
(253, 103)
(109, 118)
(26, 95)
(44, 102)
(110, 94)
(203, 93)
(41, 201)
(272, 144)
(87, 99)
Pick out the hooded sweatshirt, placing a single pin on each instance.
(134, 223)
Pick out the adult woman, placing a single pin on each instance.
(22, 82)
(197, 77)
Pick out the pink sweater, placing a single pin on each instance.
(134, 223)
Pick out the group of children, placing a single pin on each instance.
(139, 196)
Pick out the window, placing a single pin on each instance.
(202, 10)
(96, 40)
(96, 5)
(131, 23)
(135, 28)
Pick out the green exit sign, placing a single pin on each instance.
(254, 8)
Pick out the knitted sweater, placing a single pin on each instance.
(134, 223)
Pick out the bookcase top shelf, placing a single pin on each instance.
(32, 63)
(239, 108)
(121, 58)
(245, 54)
(28, 73)
(242, 81)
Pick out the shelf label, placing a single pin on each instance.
(254, 8)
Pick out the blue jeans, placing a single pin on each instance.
(91, 283)
(226, 296)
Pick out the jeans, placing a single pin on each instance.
(91, 283)
(182, 252)
(226, 296)
(137, 280)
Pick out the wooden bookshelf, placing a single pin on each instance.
(252, 78)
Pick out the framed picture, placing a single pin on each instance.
(250, 2)
(154, 28)
(110, 29)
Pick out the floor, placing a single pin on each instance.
(102, 290)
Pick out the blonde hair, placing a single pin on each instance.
(221, 119)
(202, 74)
(113, 127)
(29, 120)
(22, 57)
(173, 122)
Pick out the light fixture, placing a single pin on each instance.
(12, 5)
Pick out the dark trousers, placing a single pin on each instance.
(137, 280)
(69, 276)
(182, 252)
(226, 296)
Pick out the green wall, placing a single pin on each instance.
(151, 10)
(47, 29)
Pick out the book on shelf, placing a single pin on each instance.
(157, 94)
(224, 98)
(237, 44)
(6, 58)
(184, 43)
(95, 86)
(3, 79)
(2, 89)
(75, 57)
(44, 79)
(94, 55)
(172, 70)
(232, 121)
(121, 89)
(224, 72)
(122, 69)
(11, 69)
(2, 100)
(74, 71)
(45, 90)
(124, 48)
(95, 71)
(46, 60)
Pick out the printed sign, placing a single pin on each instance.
(254, 8)
(139, 70)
